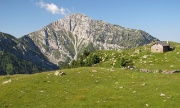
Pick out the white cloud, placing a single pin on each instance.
(54, 9)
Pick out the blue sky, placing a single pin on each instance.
(160, 18)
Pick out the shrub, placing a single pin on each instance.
(126, 62)
(92, 59)
(73, 64)
(9, 69)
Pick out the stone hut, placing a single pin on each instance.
(160, 46)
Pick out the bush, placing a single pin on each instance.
(123, 62)
(92, 59)
(86, 59)
(9, 69)
(126, 62)
(85, 53)
(73, 64)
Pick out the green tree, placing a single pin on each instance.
(73, 64)
(95, 59)
(123, 62)
(9, 69)
(86, 53)
(80, 61)
(126, 62)
(92, 59)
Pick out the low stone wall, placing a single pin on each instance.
(153, 71)
(170, 71)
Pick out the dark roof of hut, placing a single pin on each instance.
(163, 43)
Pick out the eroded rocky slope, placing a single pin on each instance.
(65, 39)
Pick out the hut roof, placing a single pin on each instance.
(163, 43)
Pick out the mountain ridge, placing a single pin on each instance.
(70, 35)
(64, 40)
(16, 53)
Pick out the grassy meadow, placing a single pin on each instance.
(142, 58)
(91, 87)
(105, 85)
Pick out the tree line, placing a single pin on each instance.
(88, 59)
(11, 64)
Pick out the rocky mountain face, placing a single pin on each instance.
(62, 41)
(65, 39)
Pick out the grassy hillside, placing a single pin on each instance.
(103, 85)
(91, 87)
(142, 58)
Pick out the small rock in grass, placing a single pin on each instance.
(111, 70)
(41, 91)
(62, 73)
(56, 73)
(116, 82)
(121, 87)
(144, 84)
(172, 66)
(6, 82)
(162, 94)
(94, 70)
(145, 56)
(134, 91)
(169, 96)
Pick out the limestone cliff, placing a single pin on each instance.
(65, 39)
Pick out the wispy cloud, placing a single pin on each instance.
(54, 9)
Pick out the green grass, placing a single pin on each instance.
(154, 61)
(83, 88)
(106, 87)
(166, 61)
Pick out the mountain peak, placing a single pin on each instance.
(65, 39)
(71, 22)
(77, 15)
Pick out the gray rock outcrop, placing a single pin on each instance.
(65, 39)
